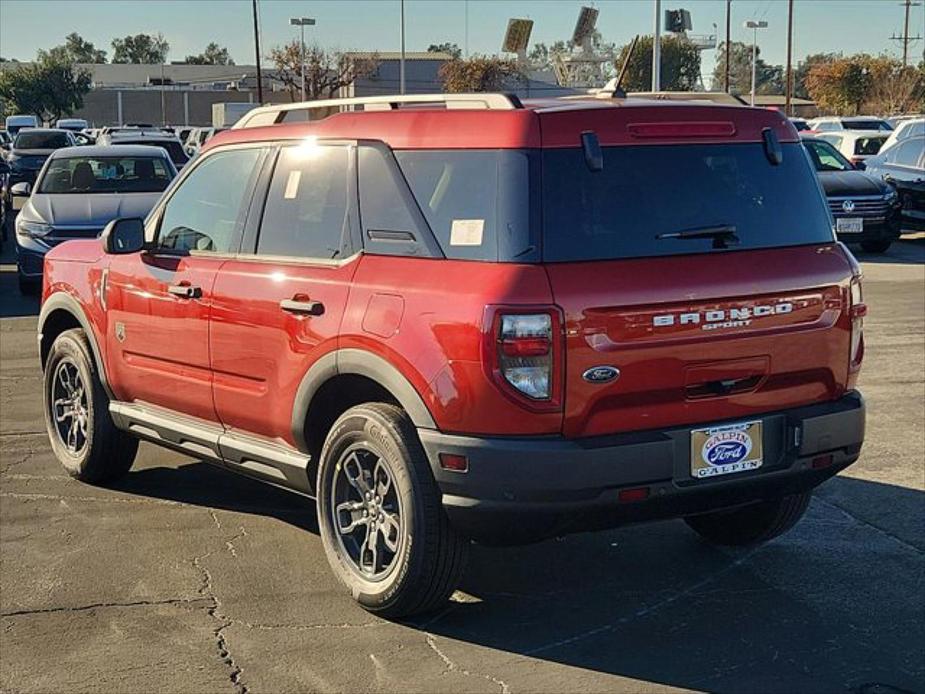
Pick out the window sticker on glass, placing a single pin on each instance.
(292, 184)
(466, 232)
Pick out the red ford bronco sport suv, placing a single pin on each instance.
(461, 317)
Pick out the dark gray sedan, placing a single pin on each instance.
(81, 189)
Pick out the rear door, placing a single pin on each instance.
(160, 300)
(743, 315)
(278, 306)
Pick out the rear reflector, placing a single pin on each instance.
(456, 463)
(634, 494)
(821, 461)
(701, 129)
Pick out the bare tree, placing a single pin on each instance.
(480, 74)
(325, 71)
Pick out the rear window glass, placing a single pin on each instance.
(477, 202)
(866, 125)
(32, 140)
(106, 175)
(173, 147)
(868, 145)
(647, 191)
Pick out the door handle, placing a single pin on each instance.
(184, 290)
(302, 306)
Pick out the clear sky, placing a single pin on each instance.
(820, 25)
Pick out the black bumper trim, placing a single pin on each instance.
(541, 486)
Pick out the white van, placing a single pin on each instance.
(16, 123)
(73, 124)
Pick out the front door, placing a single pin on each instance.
(160, 300)
(278, 309)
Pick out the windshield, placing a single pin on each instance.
(647, 198)
(173, 147)
(106, 175)
(825, 157)
(39, 140)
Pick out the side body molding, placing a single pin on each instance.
(361, 363)
(61, 301)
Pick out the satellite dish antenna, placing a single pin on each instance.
(584, 28)
(517, 37)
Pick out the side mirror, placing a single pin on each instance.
(21, 190)
(123, 236)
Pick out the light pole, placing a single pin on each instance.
(302, 22)
(657, 49)
(751, 24)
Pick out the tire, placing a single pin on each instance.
(427, 558)
(753, 524)
(876, 246)
(100, 453)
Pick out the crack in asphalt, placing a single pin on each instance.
(99, 605)
(454, 667)
(207, 591)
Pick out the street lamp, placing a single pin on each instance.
(751, 24)
(302, 22)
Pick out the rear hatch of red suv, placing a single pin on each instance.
(692, 253)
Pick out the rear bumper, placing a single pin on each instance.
(524, 489)
(878, 229)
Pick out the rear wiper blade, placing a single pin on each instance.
(723, 235)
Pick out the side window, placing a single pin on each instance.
(207, 209)
(306, 212)
(907, 153)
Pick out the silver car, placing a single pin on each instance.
(81, 189)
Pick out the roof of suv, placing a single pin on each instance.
(537, 123)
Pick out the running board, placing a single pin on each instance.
(250, 455)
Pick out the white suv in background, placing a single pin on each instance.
(833, 123)
(904, 130)
(856, 145)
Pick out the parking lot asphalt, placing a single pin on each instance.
(186, 578)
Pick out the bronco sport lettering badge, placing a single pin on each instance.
(720, 318)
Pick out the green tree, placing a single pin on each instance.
(680, 69)
(48, 87)
(146, 49)
(480, 73)
(212, 55)
(76, 49)
(446, 47)
(768, 78)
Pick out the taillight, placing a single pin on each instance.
(857, 311)
(523, 354)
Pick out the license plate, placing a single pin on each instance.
(849, 225)
(726, 450)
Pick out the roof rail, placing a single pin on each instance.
(273, 114)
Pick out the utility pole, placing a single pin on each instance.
(401, 63)
(657, 49)
(726, 69)
(257, 54)
(789, 90)
(905, 38)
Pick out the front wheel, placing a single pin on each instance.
(382, 524)
(82, 434)
(753, 524)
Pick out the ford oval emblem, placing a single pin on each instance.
(601, 374)
(727, 448)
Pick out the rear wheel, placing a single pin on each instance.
(752, 524)
(876, 246)
(382, 524)
(82, 434)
